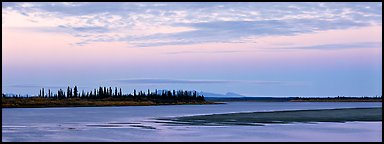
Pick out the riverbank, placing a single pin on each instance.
(280, 117)
(77, 102)
(335, 100)
(294, 99)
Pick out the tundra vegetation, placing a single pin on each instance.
(103, 96)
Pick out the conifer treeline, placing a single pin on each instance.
(108, 92)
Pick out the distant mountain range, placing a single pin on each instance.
(208, 94)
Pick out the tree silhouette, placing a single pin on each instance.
(110, 92)
(75, 92)
(68, 92)
(42, 92)
(106, 94)
(115, 91)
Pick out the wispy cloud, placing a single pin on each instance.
(86, 29)
(338, 46)
(203, 52)
(169, 81)
(229, 30)
(159, 24)
(179, 81)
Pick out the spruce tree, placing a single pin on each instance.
(68, 92)
(110, 91)
(75, 92)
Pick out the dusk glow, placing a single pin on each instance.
(254, 49)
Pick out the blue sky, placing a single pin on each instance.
(255, 49)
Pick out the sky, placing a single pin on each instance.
(250, 48)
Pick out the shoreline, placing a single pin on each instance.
(111, 105)
(101, 103)
(279, 117)
(294, 99)
(332, 101)
(77, 102)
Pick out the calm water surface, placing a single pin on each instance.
(137, 123)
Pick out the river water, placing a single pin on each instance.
(138, 123)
